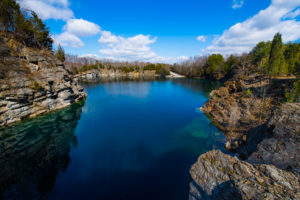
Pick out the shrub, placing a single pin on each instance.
(36, 86)
(294, 94)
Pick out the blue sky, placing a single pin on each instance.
(165, 30)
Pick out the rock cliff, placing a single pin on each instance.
(256, 124)
(32, 82)
(217, 176)
(242, 109)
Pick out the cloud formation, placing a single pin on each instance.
(68, 39)
(134, 48)
(237, 4)
(49, 9)
(201, 38)
(242, 37)
(81, 27)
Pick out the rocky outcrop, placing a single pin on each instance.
(272, 171)
(242, 109)
(282, 148)
(220, 176)
(32, 82)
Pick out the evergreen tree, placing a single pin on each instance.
(41, 32)
(291, 54)
(214, 64)
(276, 61)
(60, 54)
(260, 55)
(230, 62)
(7, 14)
(297, 69)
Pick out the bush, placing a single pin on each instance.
(36, 86)
(294, 94)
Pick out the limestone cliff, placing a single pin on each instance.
(217, 176)
(32, 82)
(256, 124)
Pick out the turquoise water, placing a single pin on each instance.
(129, 140)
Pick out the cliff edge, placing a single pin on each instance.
(32, 82)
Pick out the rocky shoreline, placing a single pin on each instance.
(263, 132)
(33, 82)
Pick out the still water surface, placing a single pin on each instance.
(129, 140)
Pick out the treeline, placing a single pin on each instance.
(272, 58)
(77, 65)
(25, 26)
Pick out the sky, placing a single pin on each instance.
(166, 31)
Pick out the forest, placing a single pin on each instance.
(271, 58)
(24, 25)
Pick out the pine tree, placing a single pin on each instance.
(276, 61)
(60, 54)
(291, 54)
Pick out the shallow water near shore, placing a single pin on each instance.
(129, 140)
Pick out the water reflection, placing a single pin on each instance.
(200, 86)
(32, 153)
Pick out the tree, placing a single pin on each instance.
(60, 54)
(214, 64)
(41, 32)
(291, 55)
(260, 55)
(297, 69)
(26, 27)
(230, 62)
(276, 61)
(7, 14)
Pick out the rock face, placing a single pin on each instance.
(282, 149)
(260, 128)
(219, 176)
(32, 82)
(242, 109)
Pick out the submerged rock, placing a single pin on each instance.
(220, 176)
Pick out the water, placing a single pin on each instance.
(130, 140)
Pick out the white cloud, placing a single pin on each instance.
(94, 56)
(201, 38)
(134, 48)
(68, 39)
(237, 4)
(242, 37)
(81, 27)
(49, 9)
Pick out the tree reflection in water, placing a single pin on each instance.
(32, 153)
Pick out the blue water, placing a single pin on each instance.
(129, 140)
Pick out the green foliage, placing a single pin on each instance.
(292, 56)
(128, 69)
(276, 62)
(27, 28)
(260, 55)
(36, 86)
(150, 67)
(230, 62)
(294, 94)
(60, 54)
(88, 67)
(297, 69)
(248, 93)
(161, 69)
(214, 64)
